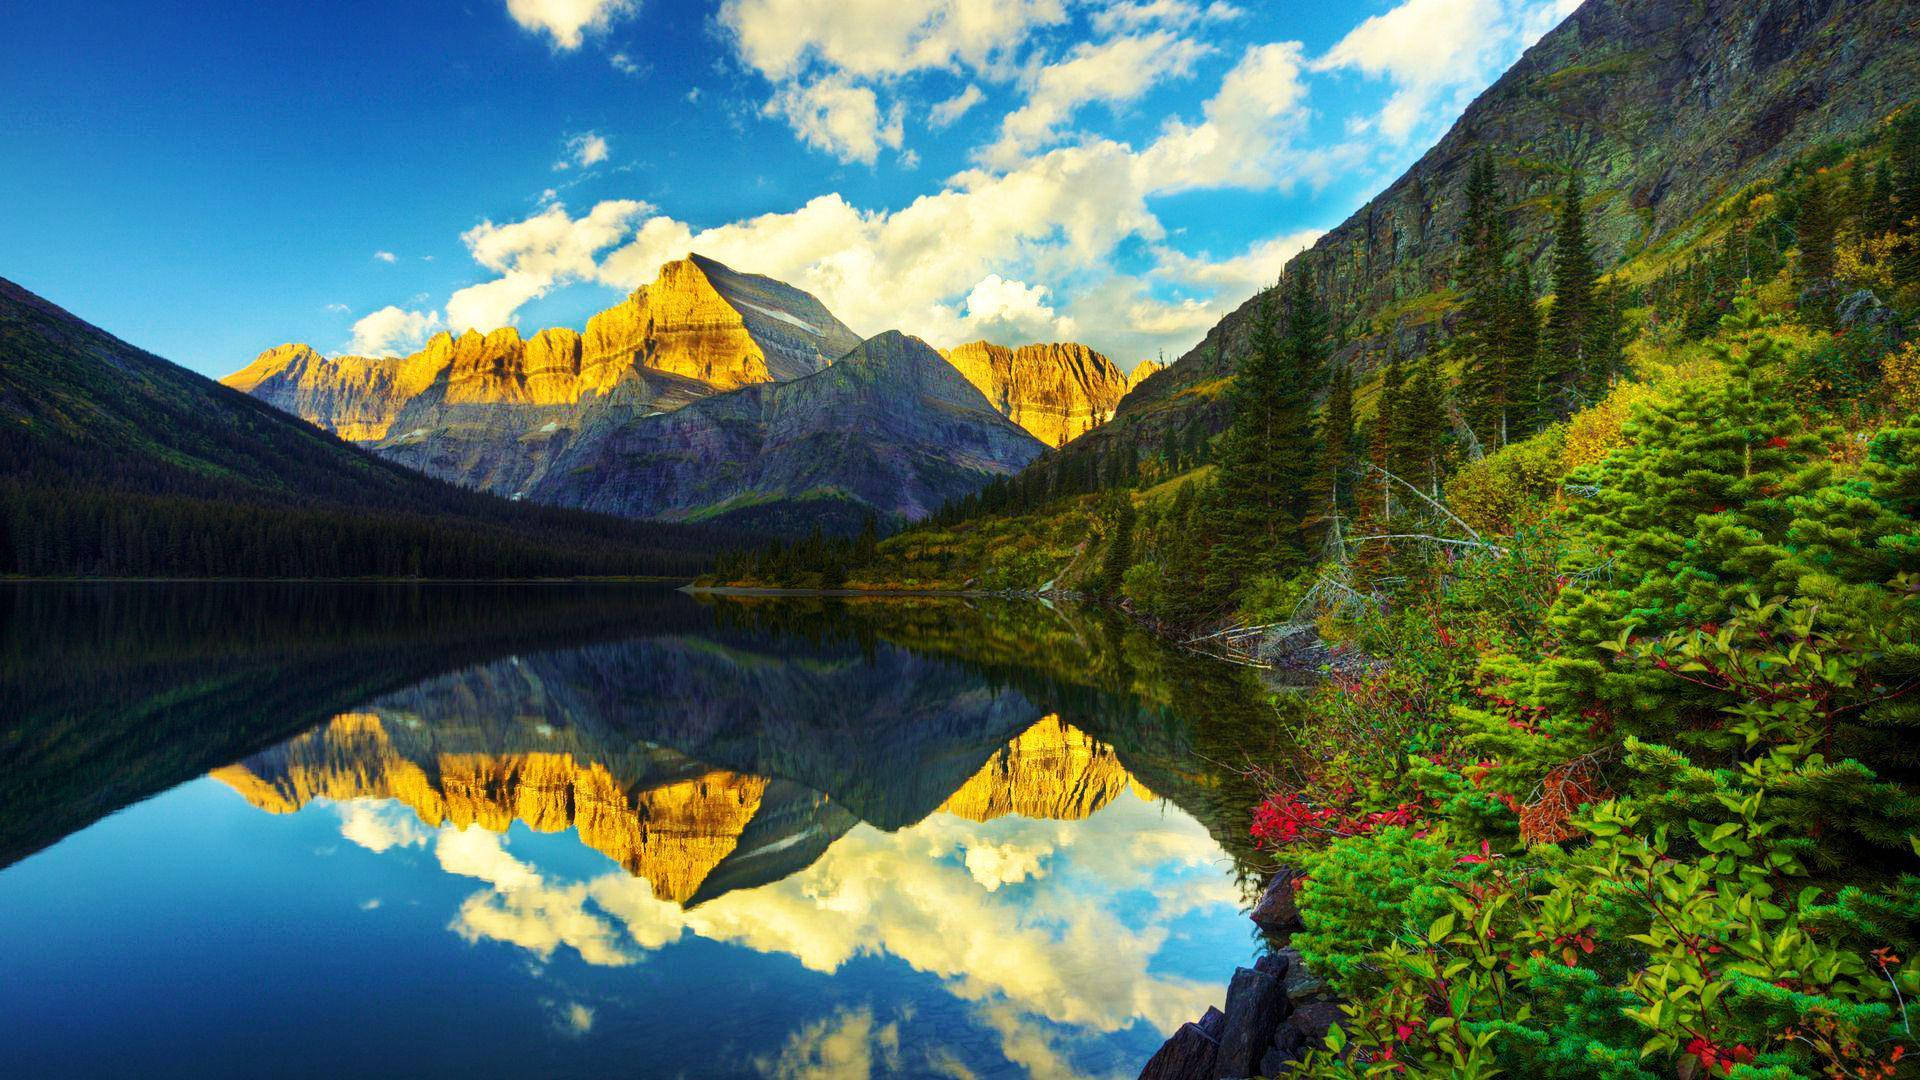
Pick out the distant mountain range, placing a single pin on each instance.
(709, 395)
(114, 461)
(889, 428)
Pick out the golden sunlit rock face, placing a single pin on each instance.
(672, 834)
(1058, 392)
(1145, 370)
(699, 321)
(671, 830)
(1052, 770)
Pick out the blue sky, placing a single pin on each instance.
(210, 179)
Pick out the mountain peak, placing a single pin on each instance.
(1057, 390)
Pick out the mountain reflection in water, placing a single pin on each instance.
(782, 839)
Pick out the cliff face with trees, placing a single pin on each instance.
(1665, 107)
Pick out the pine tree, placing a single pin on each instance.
(1685, 518)
(1373, 494)
(1420, 432)
(1332, 486)
(1482, 267)
(1606, 347)
(1904, 153)
(1258, 503)
(1568, 330)
(1486, 376)
(1815, 229)
(1119, 556)
(1880, 210)
(1520, 343)
(1857, 204)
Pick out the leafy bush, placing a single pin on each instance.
(1657, 807)
(1511, 487)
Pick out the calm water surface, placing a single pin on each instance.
(570, 830)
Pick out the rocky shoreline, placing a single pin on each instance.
(1276, 1011)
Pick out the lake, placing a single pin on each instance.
(572, 830)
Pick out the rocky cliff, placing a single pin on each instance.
(691, 831)
(1052, 770)
(890, 429)
(1664, 106)
(1057, 392)
(491, 410)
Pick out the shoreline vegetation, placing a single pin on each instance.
(1620, 777)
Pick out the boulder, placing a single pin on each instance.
(1274, 964)
(1214, 1023)
(1312, 1021)
(1276, 912)
(1256, 1004)
(1301, 984)
(1189, 1055)
(1279, 1061)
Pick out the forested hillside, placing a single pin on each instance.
(1666, 109)
(1611, 770)
(115, 462)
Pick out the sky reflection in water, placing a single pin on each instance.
(487, 873)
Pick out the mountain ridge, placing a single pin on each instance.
(117, 461)
(890, 428)
(1057, 391)
(1622, 90)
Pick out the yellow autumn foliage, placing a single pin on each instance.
(1594, 432)
(1501, 491)
(1865, 262)
(1900, 377)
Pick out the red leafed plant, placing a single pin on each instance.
(1284, 818)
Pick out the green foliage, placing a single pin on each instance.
(1259, 504)
(1512, 487)
(1362, 897)
(1119, 554)
(1667, 819)
(1570, 321)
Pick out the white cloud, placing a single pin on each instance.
(626, 65)
(1057, 218)
(1007, 310)
(1113, 72)
(585, 149)
(1248, 127)
(378, 826)
(908, 268)
(922, 895)
(826, 60)
(533, 255)
(338, 309)
(386, 257)
(837, 1047)
(836, 116)
(388, 332)
(1254, 269)
(944, 113)
(521, 908)
(576, 1019)
(880, 38)
(1175, 13)
(1432, 49)
(1051, 228)
(567, 22)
